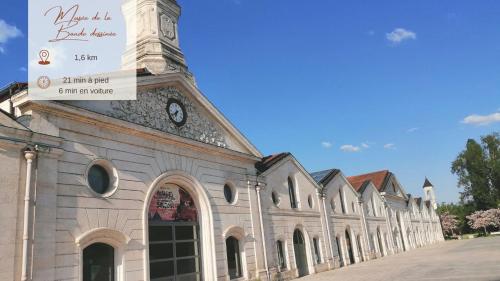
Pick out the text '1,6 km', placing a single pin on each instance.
(85, 58)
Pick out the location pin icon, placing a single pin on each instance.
(44, 57)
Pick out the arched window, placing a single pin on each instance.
(374, 207)
(99, 263)
(281, 255)
(233, 258)
(317, 253)
(174, 246)
(291, 192)
(341, 195)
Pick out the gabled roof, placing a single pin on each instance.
(362, 187)
(267, 162)
(427, 183)
(324, 177)
(379, 179)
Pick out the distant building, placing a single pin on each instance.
(166, 188)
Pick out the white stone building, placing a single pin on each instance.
(166, 188)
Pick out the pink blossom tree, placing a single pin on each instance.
(493, 217)
(478, 220)
(483, 219)
(449, 223)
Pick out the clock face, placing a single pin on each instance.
(176, 112)
(43, 82)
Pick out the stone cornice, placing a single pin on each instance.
(85, 116)
(13, 136)
(294, 213)
(340, 216)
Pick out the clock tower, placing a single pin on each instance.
(157, 38)
(429, 193)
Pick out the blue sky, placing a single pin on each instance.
(356, 85)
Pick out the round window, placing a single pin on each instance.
(310, 201)
(228, 193)
(98, 179)
(102, 177)
(276, 198)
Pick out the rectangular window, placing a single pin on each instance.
(174, 252)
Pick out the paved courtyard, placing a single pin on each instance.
(471, 260)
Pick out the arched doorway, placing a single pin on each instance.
(174, 235)
(349, 247)
(299, 247)
(233, 254)
(99, 263)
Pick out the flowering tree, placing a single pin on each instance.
(493, 217)
(483, 219)
(478, 220)
(449, 223)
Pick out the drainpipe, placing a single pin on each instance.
(258, 188)
(30, 156)
(329, 235)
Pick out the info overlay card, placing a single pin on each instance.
(82, 50)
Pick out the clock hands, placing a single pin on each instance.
(176, 112)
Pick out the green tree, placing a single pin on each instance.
(492, 145)
(478, 171)
(461, 211)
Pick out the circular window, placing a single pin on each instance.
(276, 198)
(98, 179)
(310, 201)
(102, 177)
(228, 193)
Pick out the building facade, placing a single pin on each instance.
(166, 188)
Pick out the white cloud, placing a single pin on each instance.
(365, 145)
(7, 32)
(23, 69)
(399, 35)
(412, 130)
(350, 148)
(371, 32)
(326, 144)
(389, 146)
(481, 120)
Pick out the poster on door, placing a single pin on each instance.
(170, 203)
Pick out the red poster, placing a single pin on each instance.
(172, 203)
